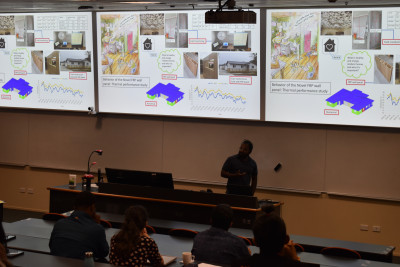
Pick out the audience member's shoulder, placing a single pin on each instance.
(147, 239)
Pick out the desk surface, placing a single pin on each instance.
(38, 259)
(317, 242)
(33, 235)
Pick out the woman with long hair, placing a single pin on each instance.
(132, 246)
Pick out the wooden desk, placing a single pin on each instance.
(169, 204)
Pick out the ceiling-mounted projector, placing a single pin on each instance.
(227, 17)
(233, 16)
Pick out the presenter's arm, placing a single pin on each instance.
(253, 184)
(227, 174)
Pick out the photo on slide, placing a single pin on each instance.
(209, 66)
(237, 64)
(336, 22)
(24, 30)
(294, 45)
(191, 64)
(176, 30)
(7, 25)
(119, 44)
(231, 41)
(52, 63)
(383, 69)
(37, 62)
(367, 29)
(79, 61)
(152, 24)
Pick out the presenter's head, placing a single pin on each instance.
(222, 216)
(245, 149)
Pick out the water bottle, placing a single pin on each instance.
(88, 261)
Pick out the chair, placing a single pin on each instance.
(150, 229)
(341, 252)
(182, 232)
(246, 240)
(298, 247)
(53, 216)
(105, 224)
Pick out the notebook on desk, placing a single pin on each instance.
(168, 259)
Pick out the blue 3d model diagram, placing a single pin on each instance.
(167, 91)
(356, 100)
(21, 86)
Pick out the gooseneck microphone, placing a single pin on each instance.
(87, 178)
(99, 152)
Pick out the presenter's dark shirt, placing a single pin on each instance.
(218, 246)
(79, 233)
(234, 164)
(258, 260)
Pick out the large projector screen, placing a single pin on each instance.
(46, 61)
(172, 63)
(333, 66)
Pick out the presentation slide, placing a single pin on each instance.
(46, 61)
(333, 66)
(172, 63)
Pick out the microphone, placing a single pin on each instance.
(98, 152)
(86, 179)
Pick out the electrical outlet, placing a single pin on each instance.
(364, 227)
(376, 228)
(22, 189)
(30, 191)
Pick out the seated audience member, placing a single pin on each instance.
(217, 245)
(80, 232)
(3, 253)
(276, 250)
(3, 257)
(132, 246)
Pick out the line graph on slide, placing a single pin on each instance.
(59, 94)
(390, 106)
(216, 100)
(395, 101)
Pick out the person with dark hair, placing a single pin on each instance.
(80, 232)
(276, 248)
(217, 245)
(132, 246)
(241, 171)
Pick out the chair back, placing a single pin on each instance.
(51, 216)
(183, 232)
(105, 224)
(150, 229)
(298, 247)
(341, 252)
(246, 240)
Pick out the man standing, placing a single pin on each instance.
(80, 232)
(241, 171)
(217, 245)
